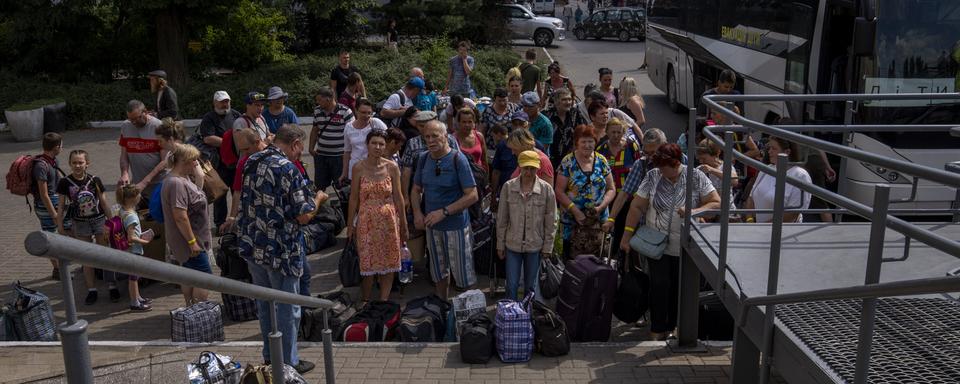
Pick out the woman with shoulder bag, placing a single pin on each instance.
(661, 199)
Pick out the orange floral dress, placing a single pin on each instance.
(378, 228)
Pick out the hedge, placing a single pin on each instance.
(384, 72)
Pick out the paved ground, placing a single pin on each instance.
(648, 362)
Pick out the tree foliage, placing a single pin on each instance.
(253, 35)
(477, 21)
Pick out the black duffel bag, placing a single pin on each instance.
(476, 339)
(551, 272)
(632, 299)
(228, 259)
(550, 332)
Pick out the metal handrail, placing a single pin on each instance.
(896, 288)
(878, 214)
(67, 249)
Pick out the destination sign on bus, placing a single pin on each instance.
(876, 85)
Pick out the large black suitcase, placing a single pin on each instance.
(587, 292)
(715, 323)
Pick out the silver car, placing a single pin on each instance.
(525, 25)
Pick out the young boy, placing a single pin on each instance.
(725, 86)
(46, 176)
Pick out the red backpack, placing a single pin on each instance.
(117, 233)
(20, 176)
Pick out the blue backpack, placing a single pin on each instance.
(156, 206)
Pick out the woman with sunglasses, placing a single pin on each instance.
(583, 183)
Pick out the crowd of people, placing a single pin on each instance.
(548, 165)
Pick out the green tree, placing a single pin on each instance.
(253, 35)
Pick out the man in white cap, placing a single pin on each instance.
(278, 114)
(212, 127)
(166, 97)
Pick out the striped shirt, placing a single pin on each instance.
(330, 129)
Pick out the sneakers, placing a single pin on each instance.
(140, 308)
(144, 300)
(114, 295)
(91, 298)
(304, 366)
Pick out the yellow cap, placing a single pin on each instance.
(529, 159)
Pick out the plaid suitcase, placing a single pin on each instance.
(32, 316)
(198, 323)
(239, 308)
(513, 330)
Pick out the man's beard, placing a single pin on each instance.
(220, 112)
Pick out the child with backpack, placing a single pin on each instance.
(85, 203)
(132, 238)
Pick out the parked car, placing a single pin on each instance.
(622, 23)
(543, 7)
(523, 24)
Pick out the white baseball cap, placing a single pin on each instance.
(220, 96)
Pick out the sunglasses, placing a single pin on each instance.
(436, 171)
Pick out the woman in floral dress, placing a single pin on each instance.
(584, 184)
(374, 222)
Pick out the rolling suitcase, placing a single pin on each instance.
(587, 292)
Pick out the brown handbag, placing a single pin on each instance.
(213, 185)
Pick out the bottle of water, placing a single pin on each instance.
(406, 265)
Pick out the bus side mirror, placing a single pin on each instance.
(864, 37)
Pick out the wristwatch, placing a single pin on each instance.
(445, 212)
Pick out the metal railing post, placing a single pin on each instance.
(725, 186)
(878, 229)
(328, 371)
(73, 335)
(276, 346)
(689, 298)
(773, 276)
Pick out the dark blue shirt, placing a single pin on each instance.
(441, 190)
(274, 122)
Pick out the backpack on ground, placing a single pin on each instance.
(227, 257)
(32, 315)
(476, 339)
(377, 321)
(311, 322)
(587, 291)
(514, 330)
(117, 234)
(550, 332)
(424, 319)
(198, 323)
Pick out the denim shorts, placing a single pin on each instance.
(199, 263)
(87, 228)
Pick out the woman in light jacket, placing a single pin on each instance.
(527, 224)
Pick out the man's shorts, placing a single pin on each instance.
(199, 263)
(47, 224)
(87, 228)
(451, 252)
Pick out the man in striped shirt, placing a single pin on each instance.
(326, 138)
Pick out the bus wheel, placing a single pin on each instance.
(672, 91)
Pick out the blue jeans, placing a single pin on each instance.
(305, 278)
(530, 263)
(288, 316)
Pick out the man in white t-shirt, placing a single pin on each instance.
(399, 101)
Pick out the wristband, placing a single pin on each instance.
(192, 241)
(629, 229)
(611, 219)
(569, 207)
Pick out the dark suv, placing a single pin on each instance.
(622, 23)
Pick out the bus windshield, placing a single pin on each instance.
(918, 51)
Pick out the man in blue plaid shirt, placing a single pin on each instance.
(275, 201)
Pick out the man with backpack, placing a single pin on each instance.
(210, 133)
(395, 105)
(417, 146)
(444, 182)
(41, 174)
(326, 138)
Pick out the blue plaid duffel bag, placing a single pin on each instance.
(198, 323)
(514, 330)
(32, 316)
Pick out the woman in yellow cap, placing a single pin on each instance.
(526, 224)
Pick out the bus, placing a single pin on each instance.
(824, 47)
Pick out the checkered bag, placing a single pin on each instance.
(239, 308)
(32, 316)
(198, 323)
(513, 330)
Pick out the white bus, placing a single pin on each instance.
(822, 47)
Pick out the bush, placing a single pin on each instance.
(383, 72)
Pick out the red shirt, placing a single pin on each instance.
(546, 167)
(238, 176)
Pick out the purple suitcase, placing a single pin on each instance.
(587, 291)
